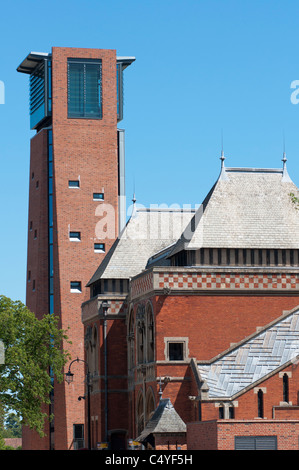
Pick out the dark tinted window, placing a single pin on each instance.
(84, 89)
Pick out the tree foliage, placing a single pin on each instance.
(33, 348)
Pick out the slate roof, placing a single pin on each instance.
(164, 420)
(148, 232)
(255, 358)
(246, 208)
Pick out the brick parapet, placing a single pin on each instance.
(216, 280)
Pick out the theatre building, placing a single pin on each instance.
(192, 325)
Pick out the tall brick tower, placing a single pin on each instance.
(76, 202)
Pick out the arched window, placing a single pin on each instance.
(140, 414)
(150, 405)
(260, 403)
(231, 412)
(140, 333)
(131, 341)
(221, 411)
(285, 381)
(150, 334)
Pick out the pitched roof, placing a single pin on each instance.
(259, 355)
(148, 232)
(246, 208)
(164, 420)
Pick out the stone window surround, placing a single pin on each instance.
(176, 339)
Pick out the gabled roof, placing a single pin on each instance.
(246, 208)
(148, 232)
(164, 420)
(253, 359)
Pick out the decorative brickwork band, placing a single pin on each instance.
(228, 281)
(221, 281)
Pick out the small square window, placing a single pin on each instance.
(98, 196)
(76, 286)
(74, 184)
(99, 247)
(176, 351)
(176, 348)
(75, 236)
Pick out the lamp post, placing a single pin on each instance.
(69, 379)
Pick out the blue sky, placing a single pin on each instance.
(203, 68)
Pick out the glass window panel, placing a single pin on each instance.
(176, 352)
(74, 184)
(98, 196)
(76, 89)
(84, 89)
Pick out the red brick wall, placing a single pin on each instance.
(117, 380)
(213, 322)
(202, 435)
(37, 258)
(37, 255)
(220, 435)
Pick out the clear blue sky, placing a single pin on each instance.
(202, 67)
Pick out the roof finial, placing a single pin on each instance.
(285, 176)
(284, 158)
(134, 199)
(222, 158)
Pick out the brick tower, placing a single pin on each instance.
(76, 203)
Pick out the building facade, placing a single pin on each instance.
(207, 318)
(76, 201)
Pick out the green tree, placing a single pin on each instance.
(33, 348)
(12, 426)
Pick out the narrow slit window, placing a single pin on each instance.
(99, 247)
(286, 388)
(74, 184)
(76, 286)
(75, 236)
(98, 196)
(260, 403)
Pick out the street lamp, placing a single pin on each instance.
(69, 376)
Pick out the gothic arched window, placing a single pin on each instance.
(150, 338)
(260, 403)
(131, 341)
(285, 381)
